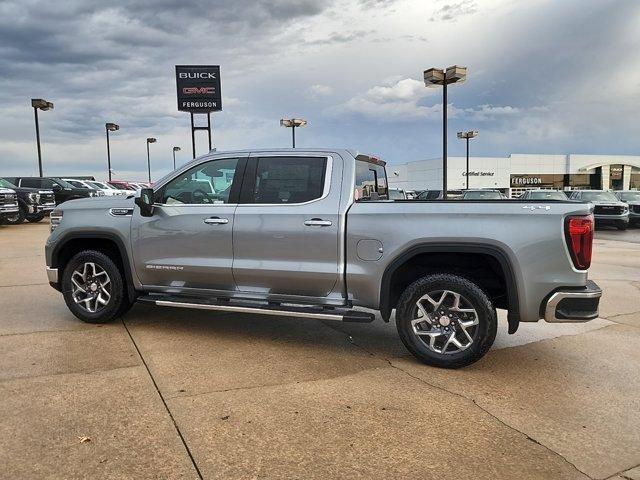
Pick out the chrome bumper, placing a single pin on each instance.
(573, 306)
(52, 275)
(9, 208)
(46, 207)
(611, 218)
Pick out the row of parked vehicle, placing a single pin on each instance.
(619, 209)
(32, 198)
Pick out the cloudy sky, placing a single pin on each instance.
(544, 77)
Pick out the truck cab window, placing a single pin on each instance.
(289, 179)
(371, 181)
(32, 182)
(207, 183)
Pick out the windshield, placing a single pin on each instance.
(598, 197)
(63, 184)
(5, 184)
(99, 185)
(480, 195)
(395, 194)
(630, 196)
(550, 195)
(77, 184)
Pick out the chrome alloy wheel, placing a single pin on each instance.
(91, 287)
(445, 321)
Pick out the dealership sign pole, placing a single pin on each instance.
(198, 88)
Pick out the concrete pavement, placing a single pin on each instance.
(168, 393)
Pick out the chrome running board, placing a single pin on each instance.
(266, 309)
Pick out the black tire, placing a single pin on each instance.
(17, 218)
(622, 226)
(118, 304)
(35, 218)
(483, 335)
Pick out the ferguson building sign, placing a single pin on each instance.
(198, 88)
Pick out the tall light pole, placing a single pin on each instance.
(434, 77)
(44, 105)
(149, 140)
(293, 123)
(175, 149)
(110, 127)
(467, 136)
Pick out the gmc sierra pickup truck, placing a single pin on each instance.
(311, 233)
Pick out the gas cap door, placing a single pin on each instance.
(369, 250)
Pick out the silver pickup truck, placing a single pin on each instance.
(311, 233)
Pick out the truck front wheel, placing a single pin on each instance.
(94, 287)
(35, 218)
(446, 320)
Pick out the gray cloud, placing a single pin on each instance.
(452, 11)
(536, 76)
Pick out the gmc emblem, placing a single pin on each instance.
(198, 90)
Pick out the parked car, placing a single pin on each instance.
(543, 195)
(62, 190)
(608, 209)
(85, 184)
(33, 203)
(412, 194)
(482, 195)
(122, 185)
(8, 203)
(108, 190)
(139, 185)
(301, 234)
(397, 194)
(632, 199)
(437, 194)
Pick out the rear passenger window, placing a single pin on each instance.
(282, 180)
(371, 181)
(30, 183)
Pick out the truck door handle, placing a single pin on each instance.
(216, 221)
(318, 222)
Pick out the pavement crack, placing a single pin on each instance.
(231, 389)
(468, 399)
(499, 420)
(175, 424)
(23, 285)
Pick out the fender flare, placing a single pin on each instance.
(460, 247)
(96, 235)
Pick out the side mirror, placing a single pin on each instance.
(144, 200)
(56, 187)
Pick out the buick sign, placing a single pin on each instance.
(198, 88)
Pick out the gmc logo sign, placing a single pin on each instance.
(198, 90)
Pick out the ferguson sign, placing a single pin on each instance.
(198, 88)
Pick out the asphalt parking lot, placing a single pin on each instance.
(168, 393)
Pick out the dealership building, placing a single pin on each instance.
(516, 173)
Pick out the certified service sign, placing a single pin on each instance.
(198, 88)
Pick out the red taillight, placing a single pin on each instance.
(579, 233)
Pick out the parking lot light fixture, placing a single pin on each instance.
(149, 140)
(467, 136)
(44, 105)
(175, 149)
(436, 77)
(293, 123)
(110, 127)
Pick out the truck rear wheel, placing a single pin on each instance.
(94, 288)
(446, 320)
